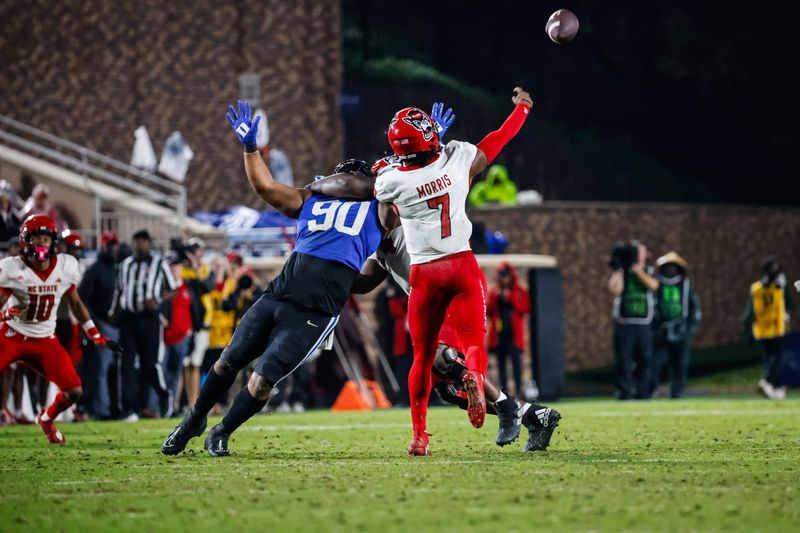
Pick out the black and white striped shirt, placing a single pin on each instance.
(140, 280)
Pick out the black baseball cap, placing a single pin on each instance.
(142, 234)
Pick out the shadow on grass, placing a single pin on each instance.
(704, 363)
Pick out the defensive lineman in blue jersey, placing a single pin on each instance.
(299, 308)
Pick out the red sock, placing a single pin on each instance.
(419, 389)
(59, 405)
(477, 359)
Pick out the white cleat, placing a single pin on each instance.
(766, 389)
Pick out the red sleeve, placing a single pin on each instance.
(522, 302)
(71, 289)
(496, 140)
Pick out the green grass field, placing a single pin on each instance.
(698, 465)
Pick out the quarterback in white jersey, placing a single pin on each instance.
(429, 191)
(33, 285)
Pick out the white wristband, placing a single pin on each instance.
(89, 324)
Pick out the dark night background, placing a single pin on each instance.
(655, 101)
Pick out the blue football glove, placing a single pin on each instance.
(244, 129)
(443, 122)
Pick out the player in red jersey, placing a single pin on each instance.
(428, 190)
(32, 285)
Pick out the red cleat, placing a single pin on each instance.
(419, 445)
(50, 430)
(476, 410)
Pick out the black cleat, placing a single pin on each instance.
(177, 440)
(217, 442)
(541, 422)
(509, 421)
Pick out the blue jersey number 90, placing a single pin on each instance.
(333, 214)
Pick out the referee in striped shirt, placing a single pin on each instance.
(145, 281)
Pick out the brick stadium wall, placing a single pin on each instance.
(92, 71)
(723, 246)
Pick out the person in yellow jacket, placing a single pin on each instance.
(767, 319)
(221, 321)
(496, 188)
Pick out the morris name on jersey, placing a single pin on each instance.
(439, 184)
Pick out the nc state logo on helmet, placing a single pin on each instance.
(38, 225)
(412, 131)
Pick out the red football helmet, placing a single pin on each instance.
(412, 131)
(108, 237)
(72, 239)
(38, 225)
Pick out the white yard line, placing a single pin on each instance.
(325, 427)
(83, 481)
(701, 412)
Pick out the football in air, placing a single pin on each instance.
(562, 26)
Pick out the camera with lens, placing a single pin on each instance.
(624, 255)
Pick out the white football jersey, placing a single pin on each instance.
(37, 293)
(431, 202)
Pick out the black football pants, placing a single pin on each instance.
(633, 355)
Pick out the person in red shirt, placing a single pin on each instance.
(506, 309)
(176, 317)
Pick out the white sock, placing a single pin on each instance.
(45, 418)
(501, 397)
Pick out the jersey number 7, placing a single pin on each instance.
(442, 202)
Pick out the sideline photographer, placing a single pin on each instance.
(633, 285)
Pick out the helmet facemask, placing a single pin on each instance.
(33, 248)
(40, 252)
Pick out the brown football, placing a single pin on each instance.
(562, 26)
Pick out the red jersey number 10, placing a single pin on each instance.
(442, 202)
(40, 307)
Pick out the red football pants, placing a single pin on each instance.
(454, 286)
(45, 355)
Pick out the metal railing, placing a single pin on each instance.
(262, 242)
(91, 164)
